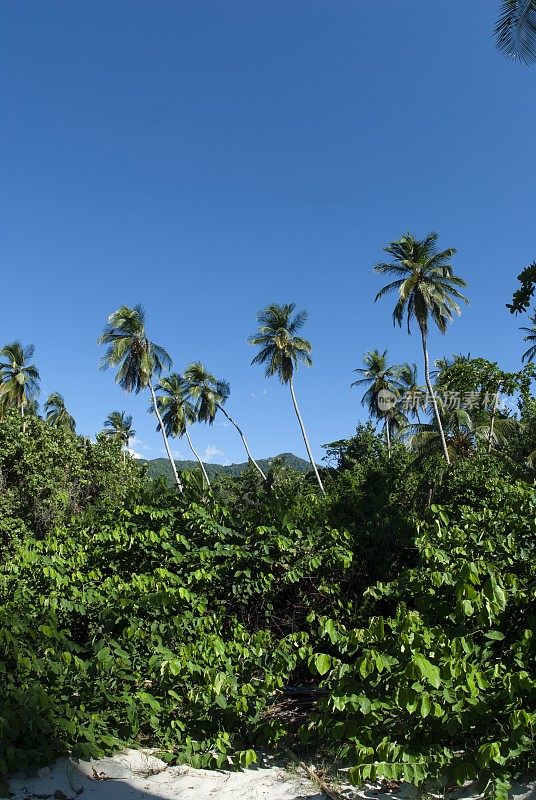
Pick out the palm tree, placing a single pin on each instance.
(411, 389)
(426, 287)
(177, 412)
(466, 429)
(383, 389)
(530, 337)
(282, 350)
(515, 31)
(138, 359)
(211, 395)
(19, 380)
(118, 426)
(56, 413)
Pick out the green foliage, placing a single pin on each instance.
(47, 475)
(440, 683)
(157, 622)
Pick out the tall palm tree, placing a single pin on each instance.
(118, 426)
(19, 380)
(515, 31)
(56, 413)
(211, 395)
(282, 350)
(139, 360)
(177, 412)
(382, 382)
(530, 337)
(426, 286)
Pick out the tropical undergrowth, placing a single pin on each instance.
(139, 616)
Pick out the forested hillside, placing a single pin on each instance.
(157, 467)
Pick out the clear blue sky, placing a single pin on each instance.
(206, 158)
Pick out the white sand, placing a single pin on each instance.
(135, 775)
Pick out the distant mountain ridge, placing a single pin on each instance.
(161, 466)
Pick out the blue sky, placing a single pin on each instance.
(208, 158)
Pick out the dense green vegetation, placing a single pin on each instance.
(384, 604)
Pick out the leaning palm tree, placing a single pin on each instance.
(530, 337)
(282, 350)
(118, 426)
(515, 31)
(382, 389)
(19, 380)
(210, 395)
(177, 412)
(139, 360)
(56, 413)
(426, 287)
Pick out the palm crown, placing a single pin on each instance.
(425, 282)
(130, 349)
(530, 337)
(175, 408)
(280, 348)
(208, 392)
(19, 380)
(118, 426)
(57, 414)
(377, 375)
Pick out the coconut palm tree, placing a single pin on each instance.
(281, 350)
(426, 286)
(56, 413)
(411, 390)
(19, 380)
(177, 412)
(515, 31)
(139, 360)
(118, 426)
(530, 337)
(383, 390)
(210, 395)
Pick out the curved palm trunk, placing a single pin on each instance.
(196, 454)
(493, 416)
(388, 437)
(164, 437)
(231, 420)
(432, 395)
(307, 447)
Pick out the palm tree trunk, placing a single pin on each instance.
(388, 437)
(493, 415)
(231, 420)
(196, 454)
(164, 437)
(432, 395)
(307, 447)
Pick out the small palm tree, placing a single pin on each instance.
(426, 288)
(211, 395)
(139, 360)
(383, 389)
(411, 390)
(177, 412)
(282, 350)
(530, 337)
(118, 426)
(516, 30)
(19, 380)
(56, 413)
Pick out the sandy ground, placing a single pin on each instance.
(134, 775)
(137, 776)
